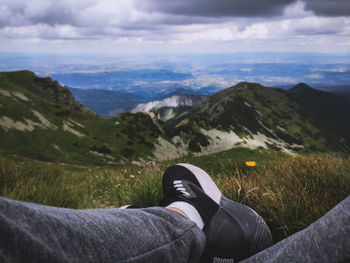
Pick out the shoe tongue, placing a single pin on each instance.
(206, 206)
(176, 172)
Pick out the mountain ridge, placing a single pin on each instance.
(245, 115)
(256, 116)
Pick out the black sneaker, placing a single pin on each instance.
(190, 193)
(133, 206)
(193, 174)
(234, 231)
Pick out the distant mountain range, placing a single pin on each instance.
(40, 119)
(106, 103)
(172, 106)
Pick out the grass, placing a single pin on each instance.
(289, 192)
(293, 192)
(49, 185)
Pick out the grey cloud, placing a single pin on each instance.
(169, 21)
(150, 19)
(217, 8)
(329, 7)
(21, 13)
(52, 17)
(86, 13)
(242, 8)
(318, 31)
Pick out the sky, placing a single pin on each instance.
(174, 26)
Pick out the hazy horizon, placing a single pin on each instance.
(205, 73)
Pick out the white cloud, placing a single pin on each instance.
(297, 10)
(315, 76)
(335, 70)
(285, 80)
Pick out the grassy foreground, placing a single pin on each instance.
(289, 192)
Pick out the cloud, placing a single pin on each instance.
(272, 79)
(237, 24)
(319, 25)
(333, 70)
(20, 13)
(152, 14)
(66, 12)
(243, 8)
(217, 8)
(315, 76)
(328, 7)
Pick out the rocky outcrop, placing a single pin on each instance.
(173, 101)
(54, 92)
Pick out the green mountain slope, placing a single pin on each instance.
(254, 116)
(40, 119)
(328, 111)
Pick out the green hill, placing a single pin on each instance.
(251, 115)
(40, 119)
(329, 112)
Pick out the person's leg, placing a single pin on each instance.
(327, 240)
(233, 231)
(36, 233)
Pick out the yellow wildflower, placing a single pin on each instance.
(250, 163)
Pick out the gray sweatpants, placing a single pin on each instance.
(36, 233)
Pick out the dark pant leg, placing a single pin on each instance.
(36, 233)
(327, 240)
